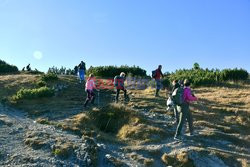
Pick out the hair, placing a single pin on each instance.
(122, 74)
(175, 81)
(186, 82)
(159, 66)
(91, 75)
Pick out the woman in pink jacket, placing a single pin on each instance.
(89, 88)
(184, 110)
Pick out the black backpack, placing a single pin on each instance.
(118, 81)
(154, 73)
(178, 96)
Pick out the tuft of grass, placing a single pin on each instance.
(180, 159)
(35, 143)
(64, 151)
(141, 133)
(49, 77)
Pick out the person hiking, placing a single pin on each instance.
(119, 85)
(75, 70)
(89, 88)
(82, 70)
(184, 110)
(157, 74)
(28, 67)
(175, 111)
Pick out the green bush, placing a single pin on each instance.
(234, 74)
(6, 68)
(61, 71)
(41, 83)
(33, 93)
(111, 71)
(205, 77)
(49, 77)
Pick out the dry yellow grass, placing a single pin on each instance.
(140, 134)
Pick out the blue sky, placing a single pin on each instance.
(174, 33)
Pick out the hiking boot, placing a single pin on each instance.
(193, 134)
(178, 138)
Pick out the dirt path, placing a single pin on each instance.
(16, 128)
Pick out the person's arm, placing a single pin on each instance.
(161, 74)
(188, 96)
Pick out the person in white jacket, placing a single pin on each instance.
(89, 88)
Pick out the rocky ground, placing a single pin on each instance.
(27, 143)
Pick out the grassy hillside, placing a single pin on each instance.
(221, 118)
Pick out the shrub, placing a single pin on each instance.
(61, 71)
(33, 93)
(6, 68)
(33, 72)
(41, 83)
(49, 77)
(111, 71)
(234, 74)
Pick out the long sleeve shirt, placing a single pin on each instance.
(187, 96)
(90, 85)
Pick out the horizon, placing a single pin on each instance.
(143, 33)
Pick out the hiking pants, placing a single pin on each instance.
(176, 114)
(185, 114)
(158, 86)
(118, 92)
(90, 97)
(81, 74)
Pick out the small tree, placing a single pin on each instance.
(196, 66)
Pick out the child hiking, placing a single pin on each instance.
(185, 97)
(119, 85)
(89, 88)
(157, 74)
(81, 71)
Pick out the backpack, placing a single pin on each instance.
(154, 74)
(178, 96)
(117, 81)
(82, 66)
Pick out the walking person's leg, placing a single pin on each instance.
(190, 121)
(87, 99)
(125, 93)
(158, 87)
(81, 75)
(176, 114)
(117, 95)
(92, 97)
(182, 120)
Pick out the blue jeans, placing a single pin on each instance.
(158, 84)
(81, 75)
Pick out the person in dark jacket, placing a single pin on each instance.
(119, 85)
(157, 78)
(28, 67)
(75, 70)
